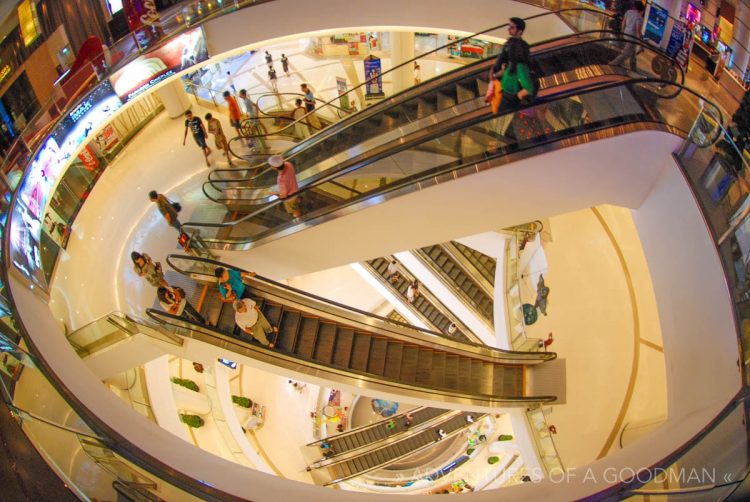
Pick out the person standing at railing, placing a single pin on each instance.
(148, 269)
(252, 113)
(310, 106)
(300, 126)
(234, 111)
(195, 124)
(632, 26)
(286, 182)
(417, 73)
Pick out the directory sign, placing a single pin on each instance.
(656, 23)
(46, 169)
(155, 66)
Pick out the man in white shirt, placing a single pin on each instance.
(251, 320)
(632, 26)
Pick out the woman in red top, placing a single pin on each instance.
(287, 183)
(234, 111)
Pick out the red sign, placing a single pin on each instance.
(90, 162)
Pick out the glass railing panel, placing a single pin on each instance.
(98, 335)
(542, 434)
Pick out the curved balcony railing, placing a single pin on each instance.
(726, 216)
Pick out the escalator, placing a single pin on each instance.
(472, 290)
(383, 456)
(371, 434)
(328, 340)
(482, 263)
(426, 305)
(575, 104)
(459, 91)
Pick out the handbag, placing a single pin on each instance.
(176, 206)
(497, 96)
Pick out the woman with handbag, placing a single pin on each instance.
(173, 301)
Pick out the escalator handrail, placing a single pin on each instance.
(429, 86)
(167, 319)
(454, 42)
(429, 137)
(361, 428)
(478, 349)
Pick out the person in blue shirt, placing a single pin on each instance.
(231, 287)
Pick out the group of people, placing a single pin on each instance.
(272, 70)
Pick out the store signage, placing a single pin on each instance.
(343, 97)
(373, 76)
(656, 23)
(87, 156)
(153, 67)
(107, 139)
(5, 71)
(45, 171)
(680, 43)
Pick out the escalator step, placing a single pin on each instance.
(324, 344)
(378, 349)
(476, 375)
(308, 333)
(272, 313)
(451, 371)
(288, 330)
(360, 351)
(464, 374)
(424, 366)
(438, 369)
(409, 363)
(343, 348)
(393, 356)
(498, 379)
(348, 445)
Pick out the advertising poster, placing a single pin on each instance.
(676, 37)
(656, 23)
(373, 77)
(107, 139)
(44, 172)
(341, 87)
(155, 66)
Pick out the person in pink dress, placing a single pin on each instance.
(287, 184)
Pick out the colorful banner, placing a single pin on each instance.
(341, 87)
(107, 139)
(680, 43)
(45, 171)
(373, 77)
(153, 67)
(656, 23)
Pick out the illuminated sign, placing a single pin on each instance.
(28, 22)
(153, 67)
(46, 169)
(4, 72)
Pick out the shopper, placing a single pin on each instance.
(632, 25)
(285, 64)
(272, 79)
(173, 301)
(251, 321)
(516, 27)
(269, 58)
(310, 105)
(515, 77)
(300, 123)
(234, 111)
(220, 140)
(391, 273)
(254, 123)
(412, 292)
(195, 124)
(231, 286)
(148, 269)
(167, 208)
(417, 73)
(286, 181)
(230, 83)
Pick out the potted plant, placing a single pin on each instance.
(493, 460)
(187, 383)
(505, 437)
(245, 402)
(470, 451)
(193, 421)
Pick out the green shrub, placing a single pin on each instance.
(505, 437)
(470, 451)
(493, 460)
(193, 421)
(187, 383)
(245, 402)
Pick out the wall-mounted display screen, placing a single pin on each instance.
(693, 14)
(155, 66)
(45, 171)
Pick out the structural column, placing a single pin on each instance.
(402, 49)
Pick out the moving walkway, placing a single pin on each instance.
(325, 339)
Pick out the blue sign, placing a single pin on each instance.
(373, 77)
(675, 40)
(657, 22)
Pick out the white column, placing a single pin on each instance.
(402, 49)
(174, 97)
